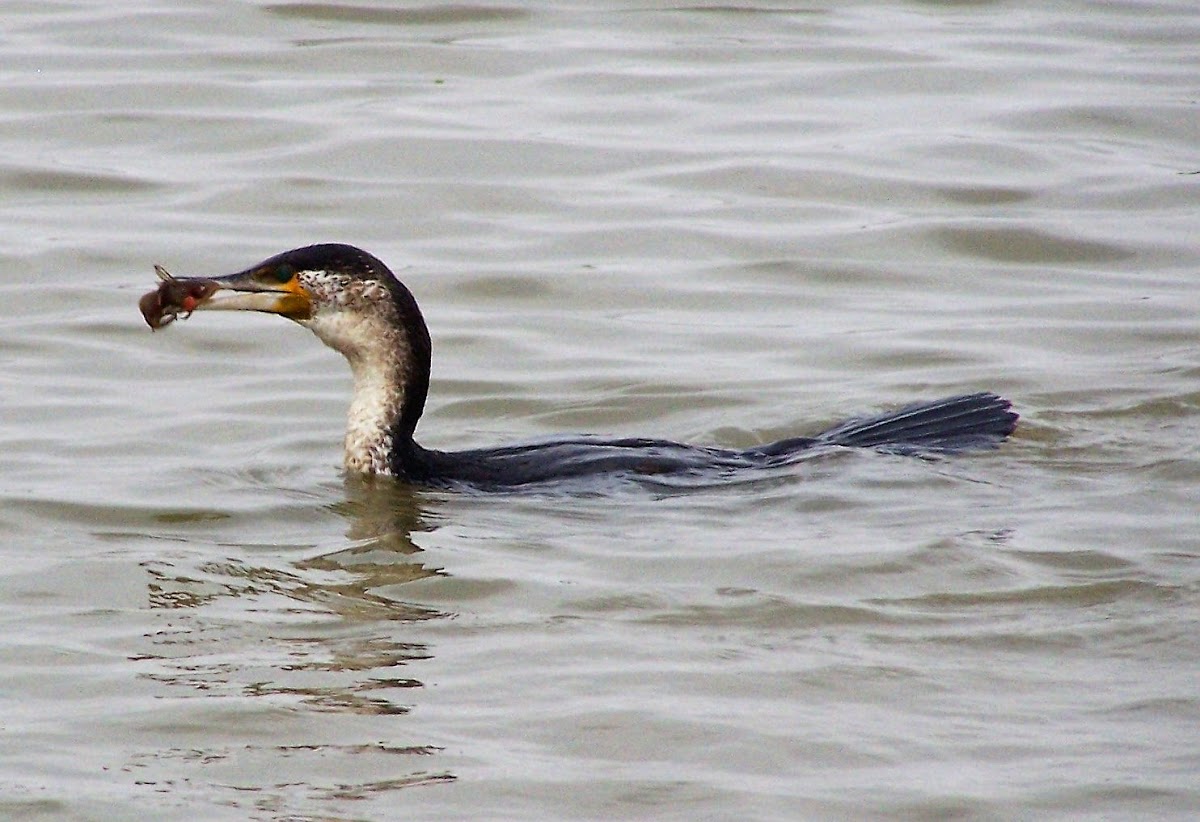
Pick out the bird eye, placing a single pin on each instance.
(284, 273)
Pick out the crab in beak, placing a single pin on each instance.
(274, 289)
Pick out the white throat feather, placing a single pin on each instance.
(358, 319)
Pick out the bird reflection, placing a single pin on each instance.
(383, 518)
(332, 633)
(350, 581)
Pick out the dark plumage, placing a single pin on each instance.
(356, 305)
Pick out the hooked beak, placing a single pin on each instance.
(246, 292)
(250, 290)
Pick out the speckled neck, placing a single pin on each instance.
(375, 409)
(376, 325)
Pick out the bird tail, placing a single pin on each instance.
(948, 425)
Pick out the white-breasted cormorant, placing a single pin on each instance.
(355, 305)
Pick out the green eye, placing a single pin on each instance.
(284, 273)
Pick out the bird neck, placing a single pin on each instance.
(372, 422)
(390, 387)
(381, 333)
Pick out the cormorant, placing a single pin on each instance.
(356, 306)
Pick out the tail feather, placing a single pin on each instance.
(952, 424)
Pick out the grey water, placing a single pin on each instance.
(723, 223)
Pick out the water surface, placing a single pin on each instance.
(709, 222)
